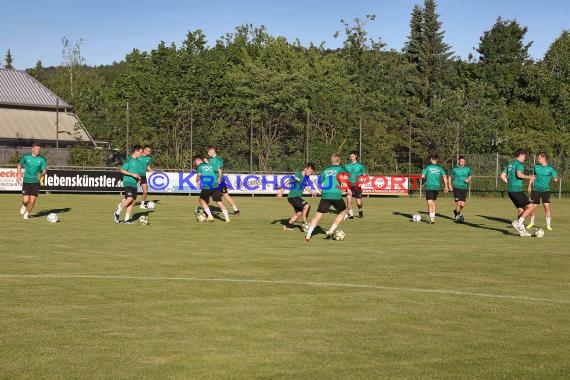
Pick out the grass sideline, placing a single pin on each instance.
(88, 298)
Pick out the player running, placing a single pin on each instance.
(218, 163)
(540, 188)
(513, 175)
(432, 175)
(35, 169)
(130, 170)
(145, 159)
(330, 184)
(297, 186)
(207, 180)
(459, 178)
(356, 169)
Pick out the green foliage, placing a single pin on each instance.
(260, 96)
(82, 155)
(15, 158)
(9, 60)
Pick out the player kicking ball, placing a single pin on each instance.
(433, 174)
(297, 186)
(329, 182)
(207, 180)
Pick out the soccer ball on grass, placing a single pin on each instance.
(143, 220)
(416, 218)
(150, 205)
(339, 235)
(306, 226)
(52, 218)
(539, 232)
(201, 217)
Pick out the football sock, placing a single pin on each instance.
(119, 209)
(333, 227)
(207, 211)
(432, 215)
(350, 213)
(310, 232)
(225, 212)
(532, 219)
(127, 216)
(548, 220)
(235, 207)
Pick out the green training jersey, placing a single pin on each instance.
(330, 183)
(144, 161)
(208, 176)
(460, 174)
(217, 162)
(297, 185)
(543, 176)
(515, 184)
(33, 165)
(355, 169)
(433, 173)
(131, 165)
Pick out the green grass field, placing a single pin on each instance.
(86, 298)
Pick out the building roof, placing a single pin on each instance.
(18, 88)
(24, 126)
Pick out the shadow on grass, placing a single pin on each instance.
(53, 210)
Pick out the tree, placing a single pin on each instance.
(413, 46)
(72, 59)
(9, 60)
(504, 44)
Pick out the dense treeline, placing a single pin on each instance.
(282, 103)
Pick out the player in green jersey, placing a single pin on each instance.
(330, 181)
(539, 188)
(35, 169)
(432, 174)
(297, 186)
(459, 178)
(356, 169)
(207, 180)
(130, 171)
(513, 175)
(145, 160)
(218, 163)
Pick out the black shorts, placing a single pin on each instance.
(431, 195)
(537, 196)
(32, 189)
(325, 205)
(520, 199)
(216, 195)
(356, 192)
(143, 180)
(459, 194)
(130, 192)
(298, 203)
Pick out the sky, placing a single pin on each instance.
(108, 30)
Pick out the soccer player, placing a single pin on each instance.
(218, 163)
(145, 160)
(297, 185)
(433, 174)
(356, 169)
(130, 170)
(459, 178)
(540, 188)
(207, 179)
(35, 169)
(513, 175)
(330, 183)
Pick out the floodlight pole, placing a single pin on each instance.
(127, 128)
(57, 130)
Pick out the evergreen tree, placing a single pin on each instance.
(9, 60)
(413, 47)
(503, 44)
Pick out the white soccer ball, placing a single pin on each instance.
(143, 220)
(52, 217)
(150, 205)
(416, 218)
(306, 226)
(339, 235)
(201, 217)
(539, 232)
